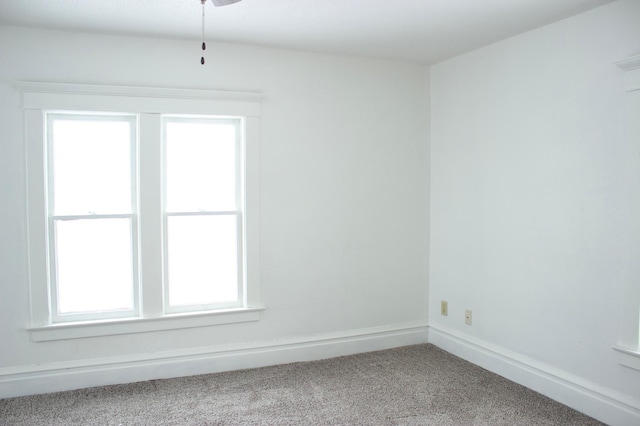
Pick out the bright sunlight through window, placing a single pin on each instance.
(202, 216)
(91, 213)
(93, 218)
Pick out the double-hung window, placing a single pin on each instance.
(202, 213)
(91, 197)
(142, 208)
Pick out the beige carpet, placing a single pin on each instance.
(413, 385)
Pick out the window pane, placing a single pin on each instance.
(200, 166)
(91, 166)
(94, 265)
(202, 260)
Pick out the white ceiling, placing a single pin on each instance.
(425, 31)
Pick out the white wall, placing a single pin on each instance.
(529, 201)
(344, 194)
(529, 195)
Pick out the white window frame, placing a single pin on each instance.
(52, 217)
(628, 347)
(238, 212)
(149, 104)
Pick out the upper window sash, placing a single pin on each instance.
(235, 123)
(54, 117)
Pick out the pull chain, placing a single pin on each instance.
(204, 46)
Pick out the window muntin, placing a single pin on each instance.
(203, 205)
(91, 222)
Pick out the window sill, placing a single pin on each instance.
(628, 357)
(77, 330)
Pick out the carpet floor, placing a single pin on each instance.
(412, 385)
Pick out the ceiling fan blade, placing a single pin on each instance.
(223, 2)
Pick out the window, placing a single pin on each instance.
(91, 226)
(143, 217)
(202, 213)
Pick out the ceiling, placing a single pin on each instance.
(423, 31)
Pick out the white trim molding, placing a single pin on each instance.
(631, 66)
(627, 357)
(62, 376)
(629, 63)
(606, 405)
(45, 95)
(628, 344)
(80, 329)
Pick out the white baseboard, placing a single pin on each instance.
(603, 404)
(54, 377)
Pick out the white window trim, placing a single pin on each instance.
(149, 102)
(628, 347)
(76, 330)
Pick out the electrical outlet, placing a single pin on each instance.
(444, 308)
(467, 317)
